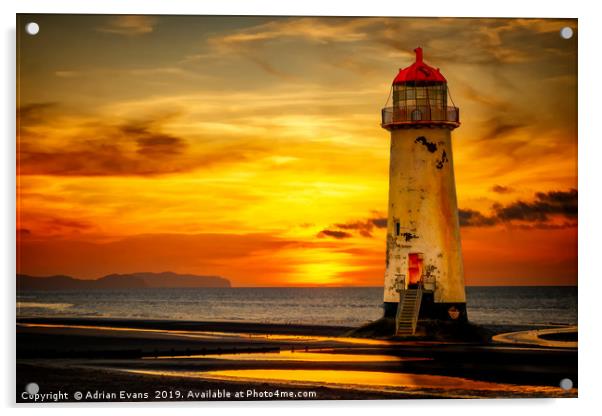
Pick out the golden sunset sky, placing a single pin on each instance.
(251, 147)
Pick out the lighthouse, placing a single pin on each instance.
(424, 277)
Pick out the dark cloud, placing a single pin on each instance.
(68, 223)
(134, 148)
(545, 205)
(530, 215)
(379, 222)
(47, 225)
(34, 113)
(472, 218)
(498, 128)
(95, 159)
(534, 214)
(339, 235)
(98, 149)
(499, 189)
(568, 200)
(363, 227)
(157, 145)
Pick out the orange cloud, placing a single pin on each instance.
(99, 148)
(128, 25)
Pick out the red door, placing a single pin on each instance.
(415, 269)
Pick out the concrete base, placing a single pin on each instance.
(431, 330)
(429, 309)
(390, 309)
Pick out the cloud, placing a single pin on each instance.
(68, 223)
(344, 43)
(363, 227)
(472, 218)
(129, 25)
(487, 41)
(498, 128)
(339, 235)
(319, 30)
(41, 224)
(520, 214)
(379, 222)
(499, 189)
(54, 141)
(154, 144)
(545, 205)
(254, 43)
(98, 149)
(538, 213)
(35, 113)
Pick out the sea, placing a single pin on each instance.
(348, 306)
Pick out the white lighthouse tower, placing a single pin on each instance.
(424, 275)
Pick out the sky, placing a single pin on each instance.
(251, 147)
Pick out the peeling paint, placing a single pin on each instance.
(429, 270)
(442, 161)
(409, 236)
(388, 251)
(431, 147)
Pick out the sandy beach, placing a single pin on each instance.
(134, 360)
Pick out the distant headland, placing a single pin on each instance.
(120, 281)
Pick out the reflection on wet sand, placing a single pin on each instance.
(368, 380)
(223, 335)
(342, 364)
(322, 356)
(533, 337)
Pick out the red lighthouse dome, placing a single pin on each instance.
(419, 72)
(419, 99)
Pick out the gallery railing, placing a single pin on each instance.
(420, 114)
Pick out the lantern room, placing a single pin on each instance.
(419, 97)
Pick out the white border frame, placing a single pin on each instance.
(590, 91)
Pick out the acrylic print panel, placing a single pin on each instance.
(295, 208)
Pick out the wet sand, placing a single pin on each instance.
(178, 361)
(548, 337)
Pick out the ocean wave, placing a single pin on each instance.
(40, 305)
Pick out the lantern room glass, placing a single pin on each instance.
(421, 100)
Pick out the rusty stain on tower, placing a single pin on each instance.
(424, 277)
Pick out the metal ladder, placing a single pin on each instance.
(407, 312)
